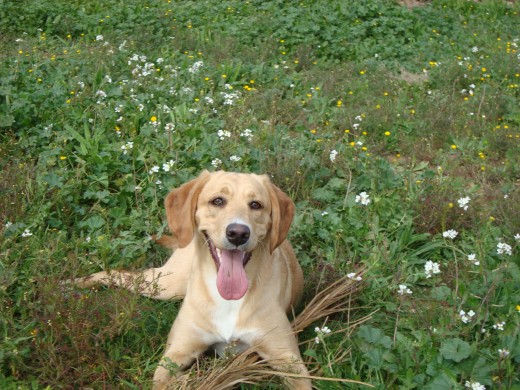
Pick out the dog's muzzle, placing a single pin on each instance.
(232, 282)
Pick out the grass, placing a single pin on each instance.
(105, 106)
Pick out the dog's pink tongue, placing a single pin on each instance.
(232, 281)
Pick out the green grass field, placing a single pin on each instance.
(394, 127)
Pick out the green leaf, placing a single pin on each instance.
(421, 166)
(323, 194)
(440, 293)
(441, 382)
(6, 120)
(375, 358)
(312, 353)
(455, 349)
(53, 180)
(374, 336)
(94, 222)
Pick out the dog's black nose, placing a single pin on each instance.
(237, 234)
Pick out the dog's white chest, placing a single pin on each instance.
(225, 318)
(230, 338)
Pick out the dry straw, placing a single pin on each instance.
(248, 368)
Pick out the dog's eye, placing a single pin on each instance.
(218, 202)
(255, 205)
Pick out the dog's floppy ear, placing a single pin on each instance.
(282, 213)
(181, 204)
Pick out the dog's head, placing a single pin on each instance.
(235, 213)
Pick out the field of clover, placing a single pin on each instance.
(394, 126)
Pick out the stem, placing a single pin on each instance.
(397, 322)
(456, 275)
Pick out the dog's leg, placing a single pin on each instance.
(279, 348)
(157, 283)
(182, 348)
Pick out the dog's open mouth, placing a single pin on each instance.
(232, 280)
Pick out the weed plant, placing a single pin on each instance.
(394, 127)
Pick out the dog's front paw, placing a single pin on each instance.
(161, 378)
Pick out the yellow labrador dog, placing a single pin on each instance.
(234, 268)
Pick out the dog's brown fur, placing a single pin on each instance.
(211, 211)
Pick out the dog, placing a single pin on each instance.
(234, 269)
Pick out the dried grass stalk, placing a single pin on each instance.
(247, 367)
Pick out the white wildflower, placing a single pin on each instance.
(466, 317)
(135, 58)
(223, 134)
(229, 98)
(353, 276)
(321, 332)
(195, 67)
(235, 158)
(27, 233)
(502, 248)
(503, 353)
(363, 198)
(168, 165)
(499, 325)
(463, 202)
(153, 170)
(450, 234)
(247, 133)
(126, 147)
(431, 268)
(333, 155)
(403, 290)
(99, 37)
(8, 224)
(216, 162)
(474, 386)
(517, 237)
(473, 258)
